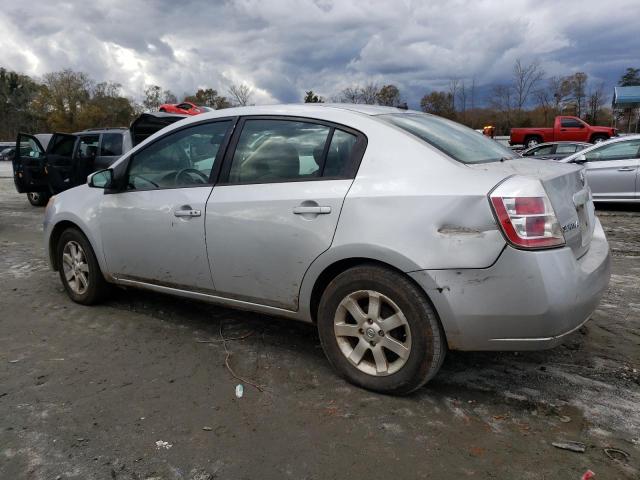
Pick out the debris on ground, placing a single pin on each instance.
(572, 446)
(207, 429)
(588, 475)
(239, 390)
(162, 444)
(616, 454)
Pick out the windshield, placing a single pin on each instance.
(457, 141)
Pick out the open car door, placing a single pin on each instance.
(28, 165)
(61, 165)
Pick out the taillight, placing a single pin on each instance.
(525, 214)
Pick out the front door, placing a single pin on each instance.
(277, 206)
(28, 165)
(153, 227)
(612, 170)
(572, 129)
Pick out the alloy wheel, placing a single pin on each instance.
(76, 267)
(372, 333)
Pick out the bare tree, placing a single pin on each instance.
(369, 94)
(559, 90)
(595, 102)
(240, 94)
(525, 79)
(544, 99)
(502, 99)
(350, 95)
(454, 84)
(462, 99)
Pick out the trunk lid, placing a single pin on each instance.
(566, 188)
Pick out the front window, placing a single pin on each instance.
(566, 148)
(457, 141)
(570, 123)
(614, 151)
(181, 159)
(88, 147)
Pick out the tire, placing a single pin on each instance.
(83, 263)
(599, 138)
(532, 142)
(162, 110)
(38, 199)
(342, 333)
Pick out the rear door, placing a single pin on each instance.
(612, 170)
(28, 165)
(59, 163)
(277, 205)
(111, 148)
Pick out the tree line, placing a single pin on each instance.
(68, 101)
(528, 98)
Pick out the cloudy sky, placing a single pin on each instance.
(283, 47)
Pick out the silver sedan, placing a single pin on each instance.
(399, 234)
(612, 169)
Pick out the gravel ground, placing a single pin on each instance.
(94, 392)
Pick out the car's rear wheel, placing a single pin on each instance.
(379, 330)
(599, 138)
(38, 199)
(79, 270)
(163, 110)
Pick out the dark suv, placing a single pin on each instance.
(42, 170)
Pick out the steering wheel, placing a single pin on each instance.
(188, 171)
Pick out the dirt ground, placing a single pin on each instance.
(88, 392)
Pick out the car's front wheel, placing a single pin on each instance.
(379, 330)
(79, 270)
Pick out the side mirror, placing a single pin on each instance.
(101, 179)
(580, 159)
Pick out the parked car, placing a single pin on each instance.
(7, 153)
(564, 128)
(554, 150)
(399, 234)
(184, 108)
(65, 160)
(612, 169)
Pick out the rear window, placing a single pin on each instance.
(457, 141)
(111, 144)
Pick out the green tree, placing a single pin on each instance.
(107, 107)
(389, 95)
(63, 97)
(438, 103)
(630, 78)
(208, 97)
(152, 98)
(311, 97)
(18, 108)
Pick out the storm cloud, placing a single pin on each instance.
(284, 47)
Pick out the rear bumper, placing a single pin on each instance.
(527, 300)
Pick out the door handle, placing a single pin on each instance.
(187, 213)
(626, 169)
(318, 210)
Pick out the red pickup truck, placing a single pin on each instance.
(564, 129)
